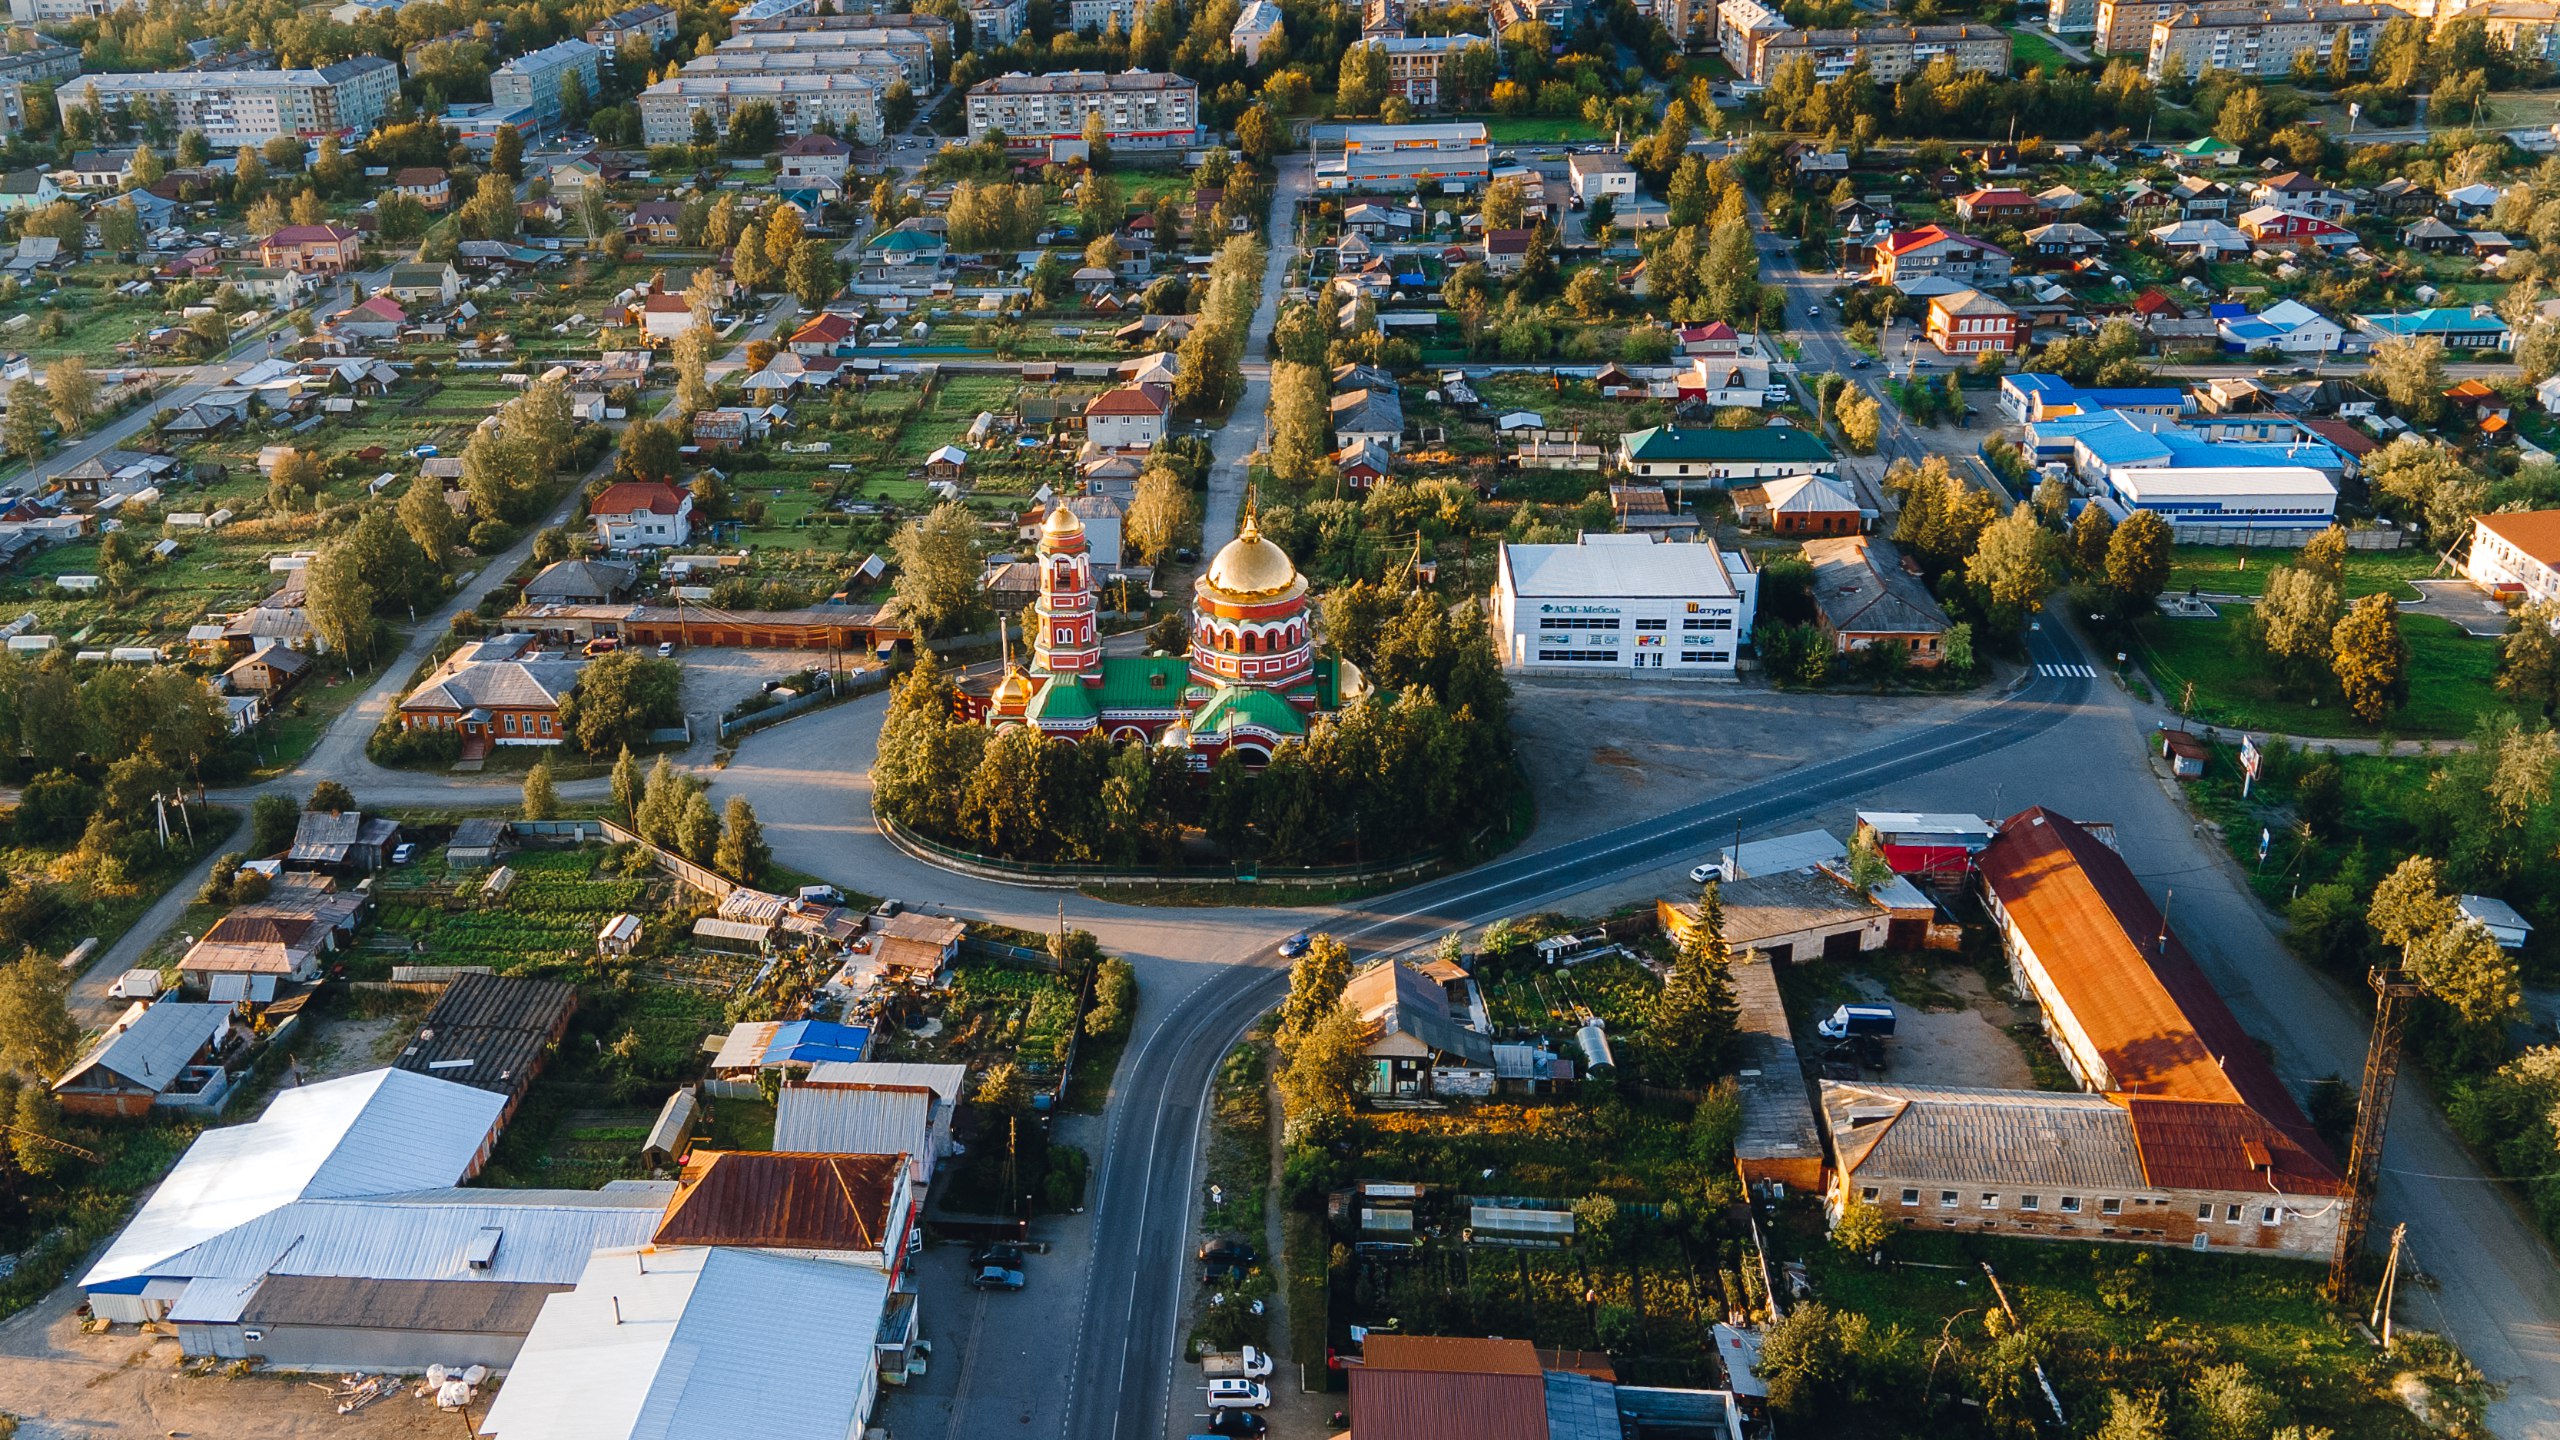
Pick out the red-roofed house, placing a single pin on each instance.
(2483, 403)
(1935, 251)
(811, 158)
(425, 184)
(1129, 417)
(1448, 1387)
(2152, 305)
(327, 249)
(630, 514)
(1505, 251)
(1713, 338)
(379, 318)
(664, 317)
(823, 336)
(2516, 554)
(2004, 206)
(1970, 323)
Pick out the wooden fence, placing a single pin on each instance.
(694, 877)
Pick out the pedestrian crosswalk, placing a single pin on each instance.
(2066, 672)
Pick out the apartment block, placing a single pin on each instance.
(250, 107)
(1140, 109)
(1100, 15)
(877, 68)
(997, 22)
(801, 101)
(655, 21)
(1414, 64)
(912, 49)
(1740, 27)
(46, 12)
(2260, 41)
(41, 59)
(532, 81)
(2526, 29)
(1890, 54)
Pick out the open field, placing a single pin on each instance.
(2232, 570)
(2451, 680)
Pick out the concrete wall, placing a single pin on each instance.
(2304, 1226)
(308, 1347)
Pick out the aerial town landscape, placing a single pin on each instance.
(1150, 719)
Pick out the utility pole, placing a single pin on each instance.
(2390, 1285)
(2392, 993)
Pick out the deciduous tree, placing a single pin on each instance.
(2372, 659)
(2138, 560)
(541, 799)
(743, 853)
(1161, 514)
(39, 1039)
(936, 589)
(1316, 979)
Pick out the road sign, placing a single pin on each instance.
(2250, 759)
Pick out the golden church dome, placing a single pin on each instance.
(1013, 691)
(1251, 565)
(1062, 522)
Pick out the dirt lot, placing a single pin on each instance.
(716, 678)
(1966, 1046)
(126, 1386)
(1599, 751)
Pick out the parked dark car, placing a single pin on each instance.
(1237, 1422)
(1001, 1257)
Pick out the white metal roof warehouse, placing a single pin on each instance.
(2289, 495)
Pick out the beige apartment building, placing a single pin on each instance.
(1890, 53)
(1415, 63)
(2124, 26)
(249, 107)
(913, 48)
(801, 101)
(2263, 41)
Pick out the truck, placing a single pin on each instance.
(1848, 1020)
(1246, 1364)
(135, 985)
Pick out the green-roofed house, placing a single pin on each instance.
(906, 247)
(2204, 153)
(1671, 455)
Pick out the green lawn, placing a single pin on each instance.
(2029, 49)
(2450, 680)
(2231, 570)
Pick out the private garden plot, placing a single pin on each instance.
(1528, 998)
(1648, 1296)
(550, 915)
(83, 317)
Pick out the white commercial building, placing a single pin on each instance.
(1623, 603)
(1403, 158)
(2284, 496)
(699, 1343)
(249, 107)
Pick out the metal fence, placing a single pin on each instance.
(695, 877)
(835, 690)
(1066, 876)
(2290, 537)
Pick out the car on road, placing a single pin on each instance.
(1811, 311)
(1861, 363)
(996, 1277)
(1000, 1257)
(1239, 1395)
(403, 853)
(1237, 1422)
(666, 649)
(1296, 945)
(1701, 874)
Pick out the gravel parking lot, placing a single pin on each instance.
(1969, 1046)
(1601, 751)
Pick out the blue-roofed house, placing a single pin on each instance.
(2029, 398)
(2289, 326)
(2459, 327)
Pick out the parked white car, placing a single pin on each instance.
(1239, 1395)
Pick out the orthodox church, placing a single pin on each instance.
(1252, 680)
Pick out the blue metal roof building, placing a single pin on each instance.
(812, 1042)
(2459, 327)
(2029, 398)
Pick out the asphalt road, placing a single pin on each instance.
(1126, 1385)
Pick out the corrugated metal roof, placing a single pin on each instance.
(152, 1043)
(1429, 1387)
(1777, 1109)
(1580, 1407)
(542, 1236)
(1392, 998)
(2202, 1145)
(2128, 983)
(499, 1024)
(943, 1080)
(506, 1308)
(1885, 1133)
(853, 1120)
(378, 1133)
(684, 1345)
(785, 1200)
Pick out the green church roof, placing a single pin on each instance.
(1144, 682)
(1062, 700)
(1262, 709)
